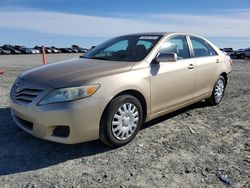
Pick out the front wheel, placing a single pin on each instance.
(121, 121)
(218, 91)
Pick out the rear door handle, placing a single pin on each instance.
(217, 61)
(191, 66)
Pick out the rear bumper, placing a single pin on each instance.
(82, 117)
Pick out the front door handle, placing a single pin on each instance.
(217, 61)
(191, 66)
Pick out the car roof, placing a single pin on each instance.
(162, 33)
(150, 33)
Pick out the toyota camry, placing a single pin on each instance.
(109, 92)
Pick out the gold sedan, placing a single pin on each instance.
(114, 88)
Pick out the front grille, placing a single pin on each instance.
(61, 131)
(26, 95)
(26, 124)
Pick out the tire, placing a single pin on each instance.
(218, 91)
(242, 56)
(120, 116)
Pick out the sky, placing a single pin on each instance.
(90, 22)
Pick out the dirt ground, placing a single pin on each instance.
(193, 147)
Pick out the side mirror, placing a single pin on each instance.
(166, 57)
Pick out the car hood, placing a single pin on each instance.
(74, 72)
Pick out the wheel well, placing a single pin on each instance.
(137, 95)
(225, 76)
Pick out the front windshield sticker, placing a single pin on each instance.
(149, 37)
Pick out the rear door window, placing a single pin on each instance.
(201, 48)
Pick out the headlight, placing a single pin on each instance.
(69, 94)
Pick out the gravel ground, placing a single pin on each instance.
(193, 147)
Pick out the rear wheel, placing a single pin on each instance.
(121, 121)
(242, 56)
(218, 91)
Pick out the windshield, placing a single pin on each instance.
(126, 48)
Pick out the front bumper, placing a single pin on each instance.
(81, 116)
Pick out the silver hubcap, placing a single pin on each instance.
(125, 121)
(219, 90)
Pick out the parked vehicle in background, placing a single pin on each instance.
(18, 49)
(236, 54)
(11, 49)
(35, 51)
(241, 54)
(38, 48)
(55, 50)
(23, 49)
(79, 49)
(244, 54)
(240, 50)
(74, 50)
(118, 85)
(4, 51)
(247, 52)
(66, 50)
(228, 51)
(47, 49)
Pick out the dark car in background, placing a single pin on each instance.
(244, 53)
(241, 54)
(228, 51)
(23, 49)
(11, 49)
(66, 50)
(19, 49)
(74, 50)
(4, 52)
(79, 49)
(47, 49)
(38, 48)
(247, 52)
(1, 50)
(55, 50)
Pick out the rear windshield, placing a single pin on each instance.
(126, 48)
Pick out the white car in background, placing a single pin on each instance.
(34, 51)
